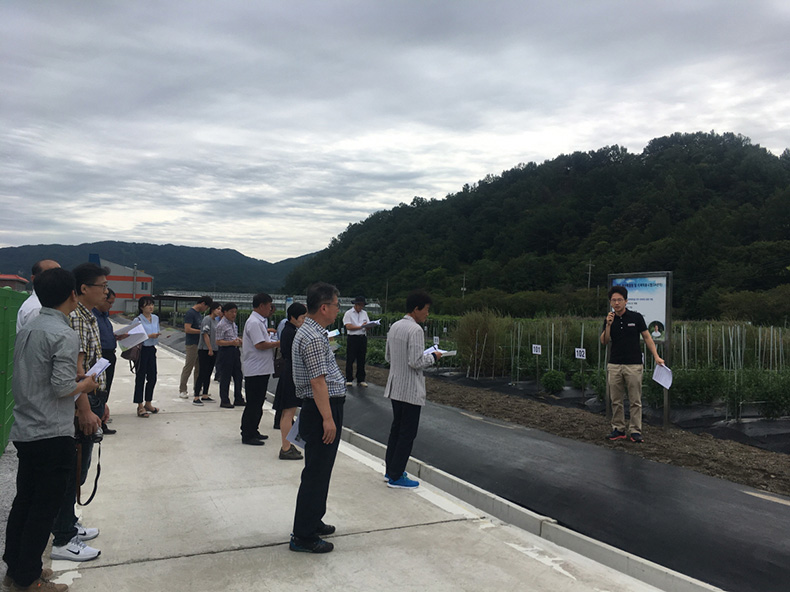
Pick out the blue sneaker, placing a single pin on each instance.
(387, 477)
(403, 483)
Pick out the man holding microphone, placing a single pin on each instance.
(622, 328)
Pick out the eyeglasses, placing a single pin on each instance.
(337, 304)
(104, 286)
(617, 300)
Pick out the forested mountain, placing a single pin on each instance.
(173, 267)
(712, 208)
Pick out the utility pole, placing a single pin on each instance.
(589, 273)
(463, 288)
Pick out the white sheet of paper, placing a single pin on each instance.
(100, 366)
(375, 323)
(334, 333)
(445, 353)
(127, 328)
(136, 335)
(293, 435)
(663, 375)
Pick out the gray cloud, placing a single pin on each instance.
(270, 126)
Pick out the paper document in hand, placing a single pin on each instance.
(375, 323)
(662, 375)
(136, 335)
(334, 333)
(444, 352)
(100, 366)
(126, 328)
(293, 436)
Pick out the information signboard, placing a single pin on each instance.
(648, 294)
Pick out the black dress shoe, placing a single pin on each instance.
(261, 436)
(252, 442)
(241, 403)
(107, 430)
(226, 405)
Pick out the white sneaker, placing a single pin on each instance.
(183, 395)
(75, 550)
(364, 384)
(349, 383)
(86, 534)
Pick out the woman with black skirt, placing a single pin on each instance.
(285, 400)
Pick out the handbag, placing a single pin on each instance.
(133, 355)
(279, 364)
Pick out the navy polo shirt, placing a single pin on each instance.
(625, 333)
(193, 319)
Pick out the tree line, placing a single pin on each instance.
(712, 208)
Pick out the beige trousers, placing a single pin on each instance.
(190, 365)
(624, 377)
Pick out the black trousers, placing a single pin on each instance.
(206, 366)
(319, 459)
(229, 366)
(146, 374)
(109, 355)
(64, 526)
(405, 423)
(255, 387)
(356, 351)
(44, 466)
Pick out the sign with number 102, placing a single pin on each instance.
(581, 353)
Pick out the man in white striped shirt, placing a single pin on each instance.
(406, 386)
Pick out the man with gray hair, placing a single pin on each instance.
(321, 386)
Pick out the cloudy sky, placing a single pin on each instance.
(269, 126)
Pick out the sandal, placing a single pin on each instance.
(152, 409)
(141, 412)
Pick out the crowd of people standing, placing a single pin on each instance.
(74, 333)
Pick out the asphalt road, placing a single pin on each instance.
(726, 534)
(723, 533)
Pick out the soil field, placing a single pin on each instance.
(726, 459)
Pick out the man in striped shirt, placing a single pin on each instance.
(321, 386)
(229, 357)
(406, 386)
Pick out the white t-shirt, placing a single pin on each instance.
(256, 362)
(28, 311)
(352, 317)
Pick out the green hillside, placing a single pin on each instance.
(712, 208)
(173, 267)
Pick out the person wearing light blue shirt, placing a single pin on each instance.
(145, 380)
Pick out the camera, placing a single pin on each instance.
(82, 438)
